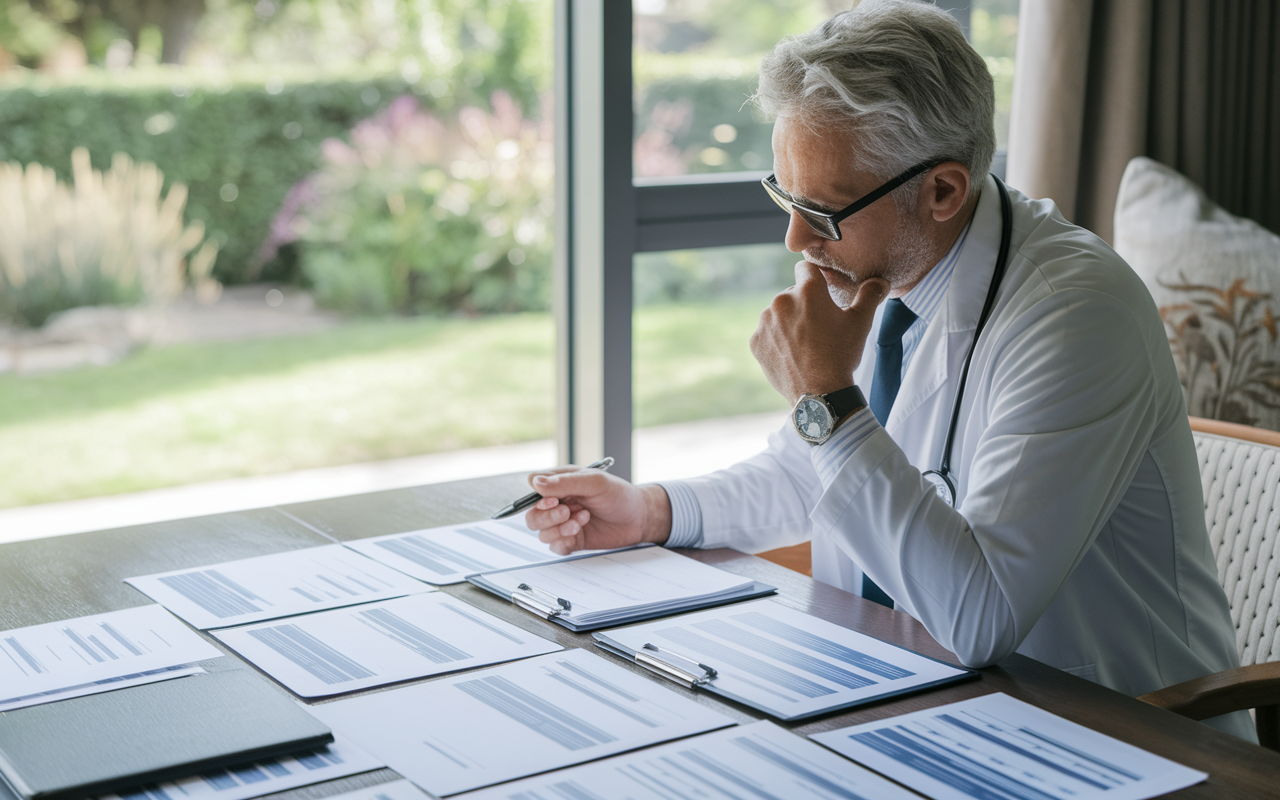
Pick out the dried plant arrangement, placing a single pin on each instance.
(110, 238)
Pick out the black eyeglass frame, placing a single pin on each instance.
(827, 224)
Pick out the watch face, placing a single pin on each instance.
(812, 419)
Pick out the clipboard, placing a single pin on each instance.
(529, 595)
(732, 671)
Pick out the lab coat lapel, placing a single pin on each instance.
(922, 410)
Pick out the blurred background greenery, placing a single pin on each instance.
(392, 159)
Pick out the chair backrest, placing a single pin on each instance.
(1240, 475)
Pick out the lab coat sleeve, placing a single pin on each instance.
(763, 502)
(1064, 414)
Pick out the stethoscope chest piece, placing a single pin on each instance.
(942, 485)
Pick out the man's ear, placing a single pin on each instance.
(945, 190)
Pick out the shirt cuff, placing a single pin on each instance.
(686, 515)
(831, 456)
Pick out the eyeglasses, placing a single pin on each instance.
(827, 224)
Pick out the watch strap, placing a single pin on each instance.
(842, 401)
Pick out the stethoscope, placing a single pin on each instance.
(941, 477)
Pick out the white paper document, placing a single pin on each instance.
(269, 775)
(460, 733)
(616, 586)
(394, 790)
(346, 649)
(280, 585)
(108, 685)
(997, 748)
(784, 662)
(75, 653)
(451, 553)
(757, 761)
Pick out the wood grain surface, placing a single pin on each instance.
(50, 579)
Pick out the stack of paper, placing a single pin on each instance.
(265, 776)
(98, 653)
(279, 585)
(460, 733)
(326, 620)
(784, 662)
(621, 586)
(753, 761)
(359, 647)
(997, 748)
(449, 554)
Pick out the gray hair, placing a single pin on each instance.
(898, 74)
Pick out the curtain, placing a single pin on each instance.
(1194, 84)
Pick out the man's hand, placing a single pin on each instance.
(589, 509)
(807, 343)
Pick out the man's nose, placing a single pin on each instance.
(800, 236)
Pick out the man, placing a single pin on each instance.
(1077, 535)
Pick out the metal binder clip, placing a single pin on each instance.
(543, 603)
(670, 670)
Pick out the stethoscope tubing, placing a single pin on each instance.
(943, 472)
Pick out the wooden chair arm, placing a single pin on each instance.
(1234, 430)
(1254, 686)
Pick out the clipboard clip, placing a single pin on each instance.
(669, 670)
(540, 602)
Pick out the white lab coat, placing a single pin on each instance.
(1079, 538)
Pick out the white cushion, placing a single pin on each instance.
(1216, 280)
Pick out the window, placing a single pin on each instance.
(680, 174)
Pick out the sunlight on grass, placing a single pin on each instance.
(692, 361)
(366, 391)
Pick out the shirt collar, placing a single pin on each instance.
(925, 298)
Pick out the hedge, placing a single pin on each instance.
(238, 145)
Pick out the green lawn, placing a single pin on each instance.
(366, 391)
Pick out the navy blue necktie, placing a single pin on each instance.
(888, 375)
(885, 382)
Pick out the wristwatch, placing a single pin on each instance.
(815, 415)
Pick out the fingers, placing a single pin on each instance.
(553, 471)
(569, 526)
(806, 272)
(550, 511)
(574, 482)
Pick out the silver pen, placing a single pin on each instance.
(533, 497)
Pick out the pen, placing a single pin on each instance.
(533, 497)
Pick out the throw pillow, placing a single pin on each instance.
(1216, 280)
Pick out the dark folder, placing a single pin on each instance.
(160, 731)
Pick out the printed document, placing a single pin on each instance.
(615, 586)
(95, 650)
(451, 553)
(346, 649)
(463, 732)
(786, 663)
(280, 585)
(394, 790)
(754, 761)
(108, 685)
(997, 748)
(269, 775)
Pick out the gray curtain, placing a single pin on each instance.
(1194, 84)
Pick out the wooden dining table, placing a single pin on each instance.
(45, 580)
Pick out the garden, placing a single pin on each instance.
(388, 161)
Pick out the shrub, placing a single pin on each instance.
(107, 239)
(239, 145)
(422, 216)
(684, 276)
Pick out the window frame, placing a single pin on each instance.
(604, 216)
